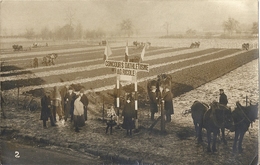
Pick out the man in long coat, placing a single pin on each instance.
(168, 104)
(129, 115)
(153, 101)
(69, 99)
(63, 92)
(56, 102)
(84, 100)
(46, 110)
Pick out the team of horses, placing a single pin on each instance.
(46, 60)
(245, 46)
(195, 45)
(216, 117)
(17, 47)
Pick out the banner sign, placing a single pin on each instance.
(127, 65)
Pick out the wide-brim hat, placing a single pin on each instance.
(221, 90)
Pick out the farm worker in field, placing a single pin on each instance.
(69, 99)
(63, 92)
(56, 102)
(223, 97)
(78, 113)
(46, 110)
(153, 101)
(128, 115)
(168, 104)
(84, 100)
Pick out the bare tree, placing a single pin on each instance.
(166, 27)
(29, 33)
(70, 14)
(255, 28)
(127, 26)
(231, 25)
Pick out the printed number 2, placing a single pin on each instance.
(16, 154)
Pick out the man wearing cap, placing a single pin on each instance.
(223, 97)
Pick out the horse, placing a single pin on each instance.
(17, 47)
(245, 46)
(243, 117)
(49, 59)
(212, 118)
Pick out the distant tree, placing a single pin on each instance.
(255, 28)
(46, 33)
(230, 26)
(127, 26)
(29, 33)
(166, 27)
(70, 14)
(78, 31)
(191, 32)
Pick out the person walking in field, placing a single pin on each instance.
(46, 110)
(128, 115)
(223, 97)
(69, 99)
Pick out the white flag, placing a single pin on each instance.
(107, 52)
(126, 52)
(142, 54)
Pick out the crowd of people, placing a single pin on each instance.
(65, 103)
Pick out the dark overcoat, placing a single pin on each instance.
(128, 113)
(168, 104)
(69, 102)
(46, 107)
(223, 99)
(153, 102)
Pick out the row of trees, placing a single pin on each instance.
(68, 32)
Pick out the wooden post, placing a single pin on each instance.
(136, 105)
(162, 117)
(246, 100)
(103, 110)
(117, 100)
(18, 93)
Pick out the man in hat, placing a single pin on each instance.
(84, 100)
(46, 111)
(223, 97)
(56, 102)
(69, 99)
(153, 101)
(168, 104)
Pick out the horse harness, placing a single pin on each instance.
(213, 116)
(245, 116)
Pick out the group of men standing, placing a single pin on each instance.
(161, 97)
(65, 103)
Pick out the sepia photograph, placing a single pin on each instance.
(129, 82)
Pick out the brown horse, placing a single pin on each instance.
(243, 117)
(212, 118)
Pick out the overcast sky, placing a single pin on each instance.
(146, 15)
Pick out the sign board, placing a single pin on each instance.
(128, 72)
(126, 78)
(127, 65)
